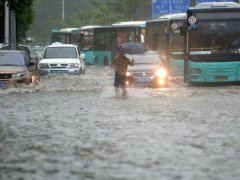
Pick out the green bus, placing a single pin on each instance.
(163, 35)
(65, 35)
(108, 38)
(85, 42)
(82, 36)
(212, 43)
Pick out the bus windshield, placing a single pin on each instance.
(86, 39)
(215, 39)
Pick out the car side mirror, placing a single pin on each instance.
(82, 56)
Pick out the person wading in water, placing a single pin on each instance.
(120, 64)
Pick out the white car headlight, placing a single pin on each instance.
(161, 72)
(74, 65)
(18, 75)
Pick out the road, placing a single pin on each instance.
(73, 127)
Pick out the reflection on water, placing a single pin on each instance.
(73, 127)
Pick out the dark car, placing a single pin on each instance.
(148, 70)
(21, 47)
(17, 67)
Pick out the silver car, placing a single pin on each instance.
(148, 70)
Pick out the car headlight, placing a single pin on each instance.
(128, 74)
(18, 75)
(43, 66)
(161, 72)
(74, 65)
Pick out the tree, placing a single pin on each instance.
(24, 15)
(127, 8)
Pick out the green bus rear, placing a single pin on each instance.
(65, 35)
(86, 43)
(163, 35)
(213, 43)
(108, 38)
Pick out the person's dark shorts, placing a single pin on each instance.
(119, 80)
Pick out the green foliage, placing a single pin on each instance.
(126, 8)
(24, 15)
(81, 13)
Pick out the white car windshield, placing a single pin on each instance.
(13, 59)
(60, 52)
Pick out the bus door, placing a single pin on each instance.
(175, 45)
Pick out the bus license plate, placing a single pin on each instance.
(220, 78)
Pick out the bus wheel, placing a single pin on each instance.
(105, 61)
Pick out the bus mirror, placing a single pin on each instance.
(82, 56)
(183, 30)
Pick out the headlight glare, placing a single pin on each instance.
(161, 72)
(128, 74)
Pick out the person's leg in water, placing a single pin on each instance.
(123, 85)
(124, 91)
(116, 84)
(116, 91)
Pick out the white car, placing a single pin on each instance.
(62, 58)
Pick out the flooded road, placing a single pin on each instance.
(73, 127)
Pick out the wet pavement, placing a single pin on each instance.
(73, 127)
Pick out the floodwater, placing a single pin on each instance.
(73, 127)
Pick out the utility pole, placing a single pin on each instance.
(6, 24)
(63, 10)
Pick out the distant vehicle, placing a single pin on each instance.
(17, 67)
(108, 38)
(65, 35)
(82, 36)
(163, 35)
(148, 70)
(212, 47)
(38, 50)
(21, 47)
(62, 58)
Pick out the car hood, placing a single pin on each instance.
(143, 67)
(60, 60)
(11, 69)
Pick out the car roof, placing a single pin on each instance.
(61, 45)
(11, 51)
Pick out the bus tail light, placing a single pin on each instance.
(195, 71)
